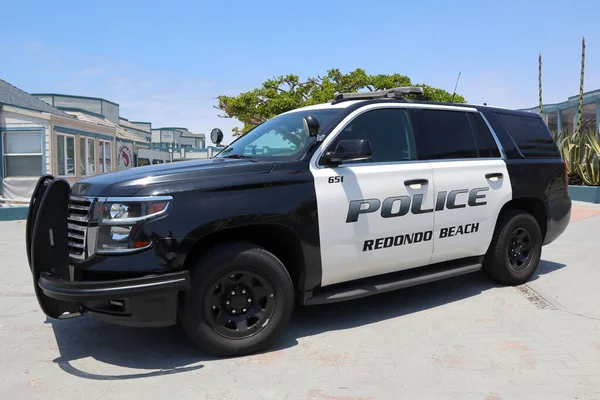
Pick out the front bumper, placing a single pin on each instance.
(145, 301)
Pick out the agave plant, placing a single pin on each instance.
(589, 166)
(571, 148)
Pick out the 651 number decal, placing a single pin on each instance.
(336, 179)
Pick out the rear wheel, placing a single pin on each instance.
(240, 301)
(516, 248)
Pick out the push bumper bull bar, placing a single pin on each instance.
(106, 290)
(148, 300)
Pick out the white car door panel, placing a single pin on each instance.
(371, 223)
(470, 195)
(376, 215)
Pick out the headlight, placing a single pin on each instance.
(119, 221)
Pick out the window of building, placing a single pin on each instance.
(104, 154)
(388, 131)
(442, 134)
(22, 153)
(552, 122)
(530, 134)
(568, 125)
(588, 118)
(65, 154)
(87, 159)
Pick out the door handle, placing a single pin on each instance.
(411, 182)
(494, 176)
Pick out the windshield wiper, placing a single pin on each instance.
(240, 157)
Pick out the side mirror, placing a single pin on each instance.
(311, 125)
(216, 136)
(349, 150)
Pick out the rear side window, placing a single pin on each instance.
(483, 137)
(530, 134)
(441, 134)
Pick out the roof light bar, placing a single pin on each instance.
(394, 93)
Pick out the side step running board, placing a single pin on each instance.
(403, 279)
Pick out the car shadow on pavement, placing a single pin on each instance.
(164, 351)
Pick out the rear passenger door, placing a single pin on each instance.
(372, 220)
(470, 178)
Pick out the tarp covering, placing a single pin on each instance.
(19, 189)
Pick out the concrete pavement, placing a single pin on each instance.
(464, 338)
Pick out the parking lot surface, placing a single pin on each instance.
(463, 338)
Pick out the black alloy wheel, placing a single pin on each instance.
(519, 249)
(240, 304)
(240, 301)
(515, 250)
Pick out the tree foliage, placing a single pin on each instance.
(288, 92)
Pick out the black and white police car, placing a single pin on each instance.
(366, 194)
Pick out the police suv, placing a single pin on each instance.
(366, 194)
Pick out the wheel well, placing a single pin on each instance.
(277, 239)
(533, 206)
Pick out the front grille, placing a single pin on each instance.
(79, 208)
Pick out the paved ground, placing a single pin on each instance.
(464, 338)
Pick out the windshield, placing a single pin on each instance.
(280, 138)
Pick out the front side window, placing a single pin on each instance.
(443, 134)
(280, 138)
(388, 131)
(65, 155)
(22, 153)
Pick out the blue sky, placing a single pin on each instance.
(166, 62)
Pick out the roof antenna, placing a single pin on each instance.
(455, 86)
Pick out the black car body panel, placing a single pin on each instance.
(213, 198)
(535, 178)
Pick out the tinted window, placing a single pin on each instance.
(483, 137)
(530, 134)
(441, 134)
(387, 129)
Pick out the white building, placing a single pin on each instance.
(177, 138)
(39, 139)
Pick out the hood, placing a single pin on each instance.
(130, 181)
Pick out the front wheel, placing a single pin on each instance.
(516, 248)
(241, 300)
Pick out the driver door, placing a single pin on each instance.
(375, 216)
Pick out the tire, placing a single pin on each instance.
(218, 321)
(500, 262)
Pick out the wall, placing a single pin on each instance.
(91, 105)
(110, 111)
(143, 125)
(202, 154)
(166, 136)
(189, 140)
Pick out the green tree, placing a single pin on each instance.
(288, 92)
